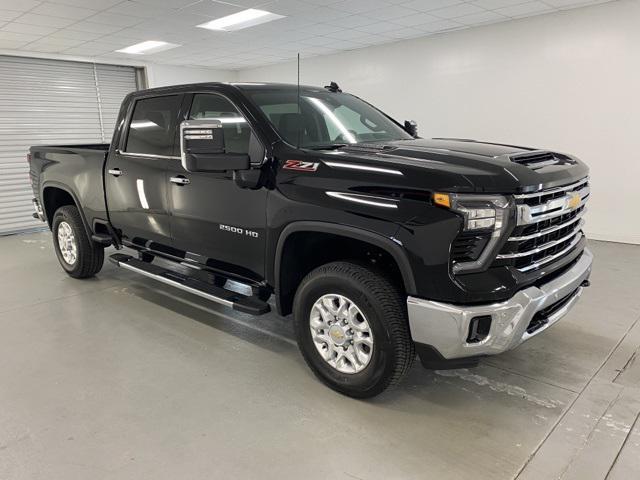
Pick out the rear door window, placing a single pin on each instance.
(153, 126)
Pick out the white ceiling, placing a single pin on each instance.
(96, 28)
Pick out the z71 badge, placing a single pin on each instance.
(300, 166)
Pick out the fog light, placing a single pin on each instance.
(479, 328)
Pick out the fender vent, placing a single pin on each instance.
(468, 246)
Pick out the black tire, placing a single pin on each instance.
(90, 255)
(385, 310)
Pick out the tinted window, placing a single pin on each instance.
(325, 118)
(152, 129)
(237, 132)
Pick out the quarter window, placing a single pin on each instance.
(237, 132)
(152, 127)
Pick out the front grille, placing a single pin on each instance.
(534, 199)
(546, 225)
(549, 226)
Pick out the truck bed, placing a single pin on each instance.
(76, 169)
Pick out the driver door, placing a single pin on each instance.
(213, 220)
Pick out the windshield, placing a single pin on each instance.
(325, 118)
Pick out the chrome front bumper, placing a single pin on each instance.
(445, 327)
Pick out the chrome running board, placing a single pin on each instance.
(242, 303)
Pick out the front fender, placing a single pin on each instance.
(388, 244)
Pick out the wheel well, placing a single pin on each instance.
(54, 198)
(304, 251)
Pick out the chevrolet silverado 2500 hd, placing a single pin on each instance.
(382, 244)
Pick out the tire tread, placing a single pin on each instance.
(389, 299)
(90, 255)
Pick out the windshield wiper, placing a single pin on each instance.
(330, 146)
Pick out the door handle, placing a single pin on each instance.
(180, 180)
(116, 172)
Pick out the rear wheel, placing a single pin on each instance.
(78, 255)
(352, 329)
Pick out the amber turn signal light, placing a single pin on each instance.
(442, 199)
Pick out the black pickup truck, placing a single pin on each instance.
(382, 244)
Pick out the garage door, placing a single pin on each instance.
(50, 102)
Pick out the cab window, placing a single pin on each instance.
(152, 127)
(237, 132)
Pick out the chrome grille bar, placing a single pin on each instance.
(552, 191)
(543, 247)
(549, 230)
(557, 203)
(528, 215)
(553, 257)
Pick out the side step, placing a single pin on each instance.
(237, 301)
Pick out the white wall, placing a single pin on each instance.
(162, 75)
(568, 81)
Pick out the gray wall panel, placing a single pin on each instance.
(50, 102)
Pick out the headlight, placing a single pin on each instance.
(480, 213)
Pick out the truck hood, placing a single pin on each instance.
(468, 165)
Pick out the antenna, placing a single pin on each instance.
(299, 110)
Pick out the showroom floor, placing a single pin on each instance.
(120, 377)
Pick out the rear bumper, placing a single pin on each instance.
(446, 328)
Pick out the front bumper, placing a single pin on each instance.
(445, 327)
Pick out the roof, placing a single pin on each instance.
(244, 86)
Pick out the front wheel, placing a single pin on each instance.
(352, 329)
(79, 256)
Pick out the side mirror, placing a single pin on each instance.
(202, 148)
(411, 127)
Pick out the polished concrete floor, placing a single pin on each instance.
(119, 377)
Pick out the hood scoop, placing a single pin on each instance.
(368, 148)
(539, 159)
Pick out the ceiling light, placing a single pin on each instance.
(243, 19)
(150, 46)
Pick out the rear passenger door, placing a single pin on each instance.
(213, 220)
(136, 180)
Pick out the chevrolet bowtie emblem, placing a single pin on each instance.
(574, 200)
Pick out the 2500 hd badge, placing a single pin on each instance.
(239, 231)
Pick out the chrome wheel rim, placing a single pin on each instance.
(341, 333)
(67, 243)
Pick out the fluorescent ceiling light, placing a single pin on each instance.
(150, 46)
(246, 18)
